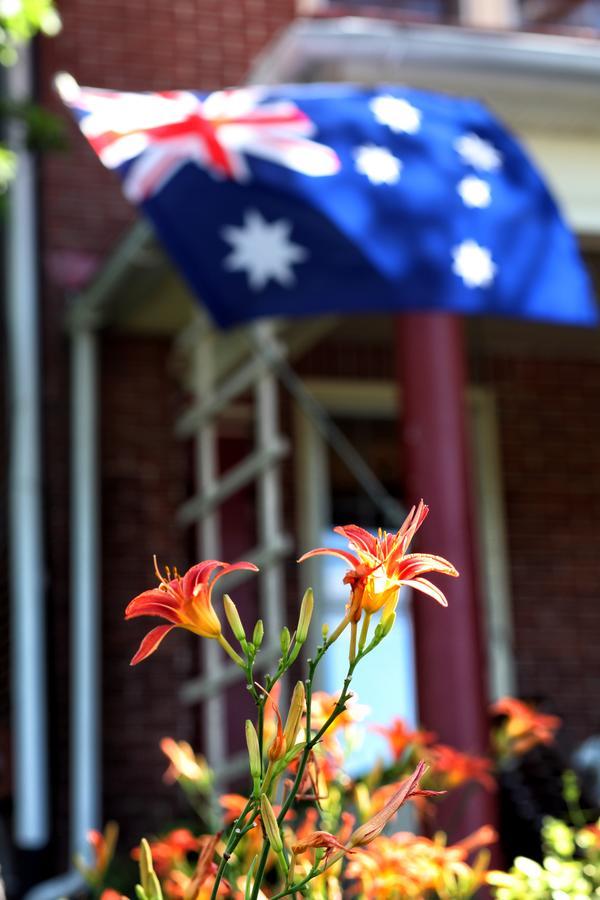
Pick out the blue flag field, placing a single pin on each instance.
(311, 199)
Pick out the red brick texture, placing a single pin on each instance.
(145, 476)
(550, 444)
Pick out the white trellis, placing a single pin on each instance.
(223, 370)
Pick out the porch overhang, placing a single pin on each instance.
(135, 290)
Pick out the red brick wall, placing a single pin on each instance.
(550, 433)
(145, 476)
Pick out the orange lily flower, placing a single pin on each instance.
(103, 846)
(185, 764)
(171, 850)
(181, 886)
(185, 602)
(524, 727)
(453, 768)
(399, 737)
(320, 840)
(323, 704)
(406, 865)
(381, 565)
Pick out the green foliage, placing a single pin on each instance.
(8, 167)
(570, 869)
(20, 21)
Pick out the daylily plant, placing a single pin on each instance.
(304, 827)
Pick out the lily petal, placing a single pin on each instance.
(362, 539)
(329, 551)
(154, 595)
(151, 642)
(234, 567)
(426, 587)
(150, 607)
(199, 574)
(415, 564)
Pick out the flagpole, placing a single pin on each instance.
(451, 670)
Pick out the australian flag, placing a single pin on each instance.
(309, 199)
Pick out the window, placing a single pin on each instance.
(434, 10)
(569, 13)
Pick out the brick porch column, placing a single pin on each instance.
(451, 674)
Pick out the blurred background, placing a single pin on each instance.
(132, 427)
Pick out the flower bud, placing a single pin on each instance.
(285, 640)
(324, 630)
(145, 862)
(253, 751)
(407, 788)
(258, 634)
(233, 617)
(269, 821)
(150, 884)
(278, 746)
(292, 723)
(387, 624)
(306, 611)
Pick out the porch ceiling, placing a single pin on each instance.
(137, 291)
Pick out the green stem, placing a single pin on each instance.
(238, 832)
(298, 885)
(230, 651)
(235, 837)
(311, 742)
(353, 627)
(260, 871)
(261, 728)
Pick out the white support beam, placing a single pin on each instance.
(26, 544)
(209, 544)
(234, 480)
(270, 514)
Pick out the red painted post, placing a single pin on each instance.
(451, 673)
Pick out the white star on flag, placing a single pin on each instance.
(473, 264)
(478, 153)
(378, 164)
(474, 192)
(396, 113)
(262, 250)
